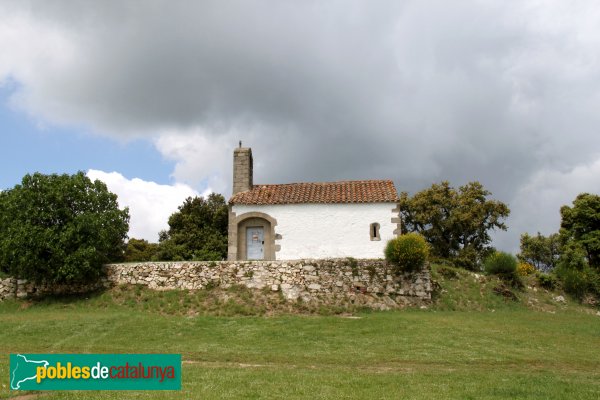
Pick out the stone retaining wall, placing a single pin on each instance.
(8, 288)
(368, 282)
(21, 288)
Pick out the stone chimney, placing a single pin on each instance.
(242, 169)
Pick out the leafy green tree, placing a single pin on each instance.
(140, 250)
(580, 224)
(540, 251)
(60, 228)
(198, 231)
(574, 271)
(456, 222)
(572, 257)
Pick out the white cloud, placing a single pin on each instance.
(150, 204)
(32, 52)
(201, 160)
(203, 156)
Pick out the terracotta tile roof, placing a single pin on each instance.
(372, 191)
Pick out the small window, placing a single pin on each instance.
(375, 231)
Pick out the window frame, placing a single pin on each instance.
(374, 231)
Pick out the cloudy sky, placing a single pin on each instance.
(153, 96)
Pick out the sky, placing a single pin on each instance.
(152, 97)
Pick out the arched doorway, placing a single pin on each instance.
(255, 236)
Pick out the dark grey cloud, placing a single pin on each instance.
(419, 91)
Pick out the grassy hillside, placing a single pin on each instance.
(473, 343)
(461, 290)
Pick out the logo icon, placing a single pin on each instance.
(24, 370)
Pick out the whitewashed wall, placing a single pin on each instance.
(328, 230)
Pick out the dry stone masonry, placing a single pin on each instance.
(368, 282)
(21, 288)
(8, 288)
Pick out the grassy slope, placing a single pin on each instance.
(461, 290)
(512, 352)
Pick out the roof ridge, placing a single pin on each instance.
(323, 183)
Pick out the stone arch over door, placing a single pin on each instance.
(255, 219)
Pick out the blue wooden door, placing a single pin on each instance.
(255, 243)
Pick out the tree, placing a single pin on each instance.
(198, 231)
(140, 250)
(580, 224)
(455, 222)
(60, 228)
(540, 251)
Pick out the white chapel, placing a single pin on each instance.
(308, 220)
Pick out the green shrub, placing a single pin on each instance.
(574, 282)
(547, 281)
(594, 279)
(500, 263)
(467, 258)
(407, 252)
(504, 265)
(579, 283)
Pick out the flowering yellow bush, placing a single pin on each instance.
(408, 252)
(524, 269)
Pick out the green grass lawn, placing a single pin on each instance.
(472, 344)
(512, 353)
